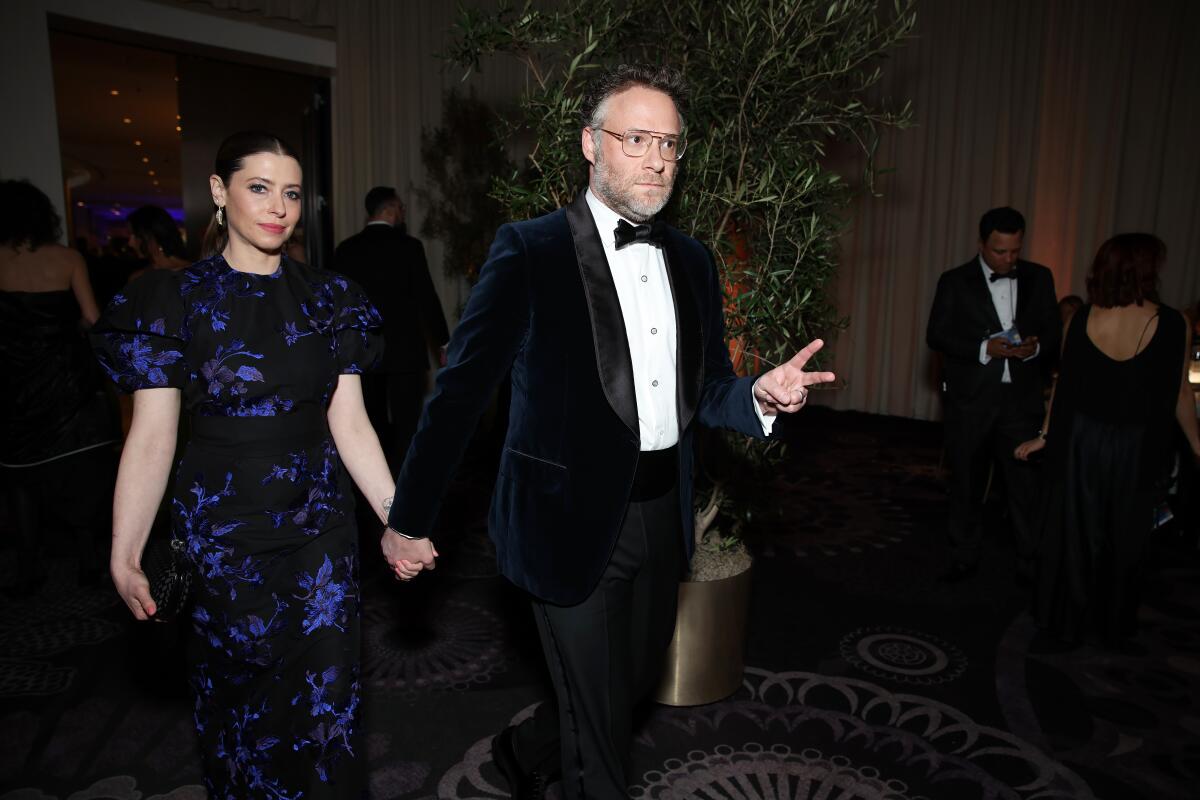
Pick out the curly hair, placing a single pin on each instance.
(152, 222)
(1125, 270)
(27, 217)
(665, 79)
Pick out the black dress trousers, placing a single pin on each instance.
(605, 654)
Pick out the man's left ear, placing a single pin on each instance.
(588, 142)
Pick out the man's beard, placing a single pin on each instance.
(621, 196)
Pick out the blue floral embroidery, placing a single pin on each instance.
(221, 378)
(313, 510)
(331, 736)
(212, 557)
(246, 754)
(325, 597)
(210, 283)
(246, 641)
(139, 357)
(334, 314)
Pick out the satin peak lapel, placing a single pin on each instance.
(689, 367)
(983, 295)
(608, 326)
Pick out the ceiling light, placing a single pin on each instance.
(155, 183)
(113, 92)
(150, 173)
(79, 203)
(137, 142)
(179, 129)
(145, 159)
(127, 120)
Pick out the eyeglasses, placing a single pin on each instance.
(635, 143)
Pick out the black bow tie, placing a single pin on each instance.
(627, 234)
(995, 276)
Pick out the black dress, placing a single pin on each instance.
(265, 508)
(1107, 456)
(50, 406)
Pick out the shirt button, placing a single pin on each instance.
(654, 383)
(653, 331)
(644, 279)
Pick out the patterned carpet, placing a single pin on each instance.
(866, 678)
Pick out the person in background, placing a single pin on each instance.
(1068, 306)
(1121, 394)
(56, 430)
(390, 265)
(265, 355)
(155, 237)
(995, 322)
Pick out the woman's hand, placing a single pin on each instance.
(134, 589)
(1026, 449)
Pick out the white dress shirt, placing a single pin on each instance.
(639, 271)
(1004, 299)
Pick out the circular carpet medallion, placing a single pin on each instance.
(904, 656)
(456, 646)
(804, 736)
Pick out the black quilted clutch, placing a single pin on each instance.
(170, 574)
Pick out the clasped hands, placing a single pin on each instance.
(405, 557)
(1000, 348)
(784, 389)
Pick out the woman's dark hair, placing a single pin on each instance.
(151, 223)
(230, 156)
(27, 217)
(1126, 270)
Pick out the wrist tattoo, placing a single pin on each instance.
(387, 506)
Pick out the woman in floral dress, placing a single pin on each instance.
(265, 355)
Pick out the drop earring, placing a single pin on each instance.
(221, 216)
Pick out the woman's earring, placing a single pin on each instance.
(221, 216)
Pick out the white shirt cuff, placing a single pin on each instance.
(767, 422)
(984, 358)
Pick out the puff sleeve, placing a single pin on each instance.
(357, 328)
(141, 338)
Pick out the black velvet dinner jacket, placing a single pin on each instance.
(963, 315)
(546, 307)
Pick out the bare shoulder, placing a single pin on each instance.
(66, 259)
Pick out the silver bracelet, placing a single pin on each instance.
(405, 535)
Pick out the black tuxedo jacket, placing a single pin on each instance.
(963, 315)
(546, 307)
(390, 267)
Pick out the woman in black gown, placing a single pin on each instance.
(265, 355)
(57, 430)
(1122, 389)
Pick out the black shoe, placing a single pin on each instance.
(959, 572)
(524, 785)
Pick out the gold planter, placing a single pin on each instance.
(706, 658)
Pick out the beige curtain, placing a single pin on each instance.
(1083, 114)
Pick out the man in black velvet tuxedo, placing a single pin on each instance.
(390, 266)
(611, 324)
(995, 321)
